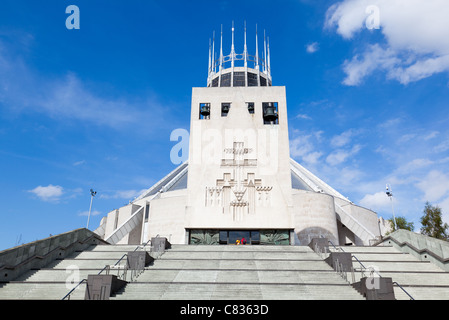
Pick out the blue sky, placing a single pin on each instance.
(94, 107)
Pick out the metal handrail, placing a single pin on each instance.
(380, 276)
(365, 268)
(70, 292)
(411, 298)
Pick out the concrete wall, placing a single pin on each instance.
(124, 214)
(111, 222)
(365, 217)
(423, 247)
(268, 154)
(116, 218)
(167, 217)
(37, 254)
(314, 216)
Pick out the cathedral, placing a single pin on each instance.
(239, 184)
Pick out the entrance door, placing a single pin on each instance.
(239, 237)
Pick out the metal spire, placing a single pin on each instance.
(265, 52)
(245, 50)
(209, 69)
(257, 52)
(221, 48)
(213, 53)
(269, 67)
(232, 47)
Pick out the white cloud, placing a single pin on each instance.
(339, 156)
(92, 213)
(342, 139)
(302, 147)
(312, 47)
(442, 146)
(415, 38)
(435, 186)
(413, 166)
(49, 193)
(444, 205)
(312, 157)
(431, 135)
(377, 201)
(348, 177)
(303, 116)
(374, 58)
(123, 194)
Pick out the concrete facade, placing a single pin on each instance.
(235, 155)
(240, 176)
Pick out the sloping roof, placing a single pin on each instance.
(175, 180)
(302, 179)
(311, 181)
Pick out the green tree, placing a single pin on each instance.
(432, 223)
(402, 223)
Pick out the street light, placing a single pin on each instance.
(389, 193)
(92, 195)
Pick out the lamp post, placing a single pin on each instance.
(92, 195)
(389, 193)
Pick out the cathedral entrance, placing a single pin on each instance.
(239, 237)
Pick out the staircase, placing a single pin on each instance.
(239, 273)
(55, 280)
(194, 273)
(421, 279)
(233, 272)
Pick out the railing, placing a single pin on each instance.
(107, 268)
(339, 268)
(341, 271)
(74, 288)
(318, 251)
(411, 298)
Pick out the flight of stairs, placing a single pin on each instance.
(55, 280)
(232, 272)
(239, 273)
(421, 279)
(193, 273)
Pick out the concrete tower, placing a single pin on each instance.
(240, 183)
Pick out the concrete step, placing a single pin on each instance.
(234, 248)
(118, 247)
(239, 255)
(418, 278)
(385, 266)
(422, 293)
(84, 263)
(240, 264)
(39, 291)
(235, 291)
(116, 255)
(240, 276)
(52, 275)
(357, 249)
